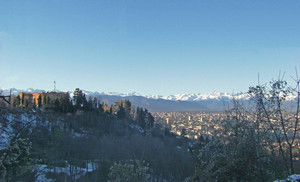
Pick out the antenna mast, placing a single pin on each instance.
(54, 86)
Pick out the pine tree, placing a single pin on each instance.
(121, 112)
(149, 119)
(16, 101)
(39, 101)
(44, 102)
(100, 106)
(127, 107)
(34, 104)
(66, 104)
(79, 99)
(48, 101)
(95, 103)
(141, 118)
(26, 103)
(89, 104)
(111, 110)
(57, 105)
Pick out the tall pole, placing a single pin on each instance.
(10, 96)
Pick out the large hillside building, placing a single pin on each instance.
(46, 98)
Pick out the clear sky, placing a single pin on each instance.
(147, 46)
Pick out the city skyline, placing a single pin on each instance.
(149, 47)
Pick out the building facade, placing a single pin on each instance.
(43, 99)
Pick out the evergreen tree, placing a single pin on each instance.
(66, 104)
(44, 102)
(149, 119)
(79, 99)
(100, 106)
(111, 110)
(89, 104)
(95, 103)
(48, 101)
(26, 103)
(121, 112)
(57, 105)
(131, 170)
(34, 104)
(141, 118)
(127, 107)
(40, 101)
(16, 101)
(16, 164)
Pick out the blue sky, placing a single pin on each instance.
(147, 46)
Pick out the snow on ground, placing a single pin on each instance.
(5, 136)
(42, 170)
(138, 128)
(292, 178)
(6, 130)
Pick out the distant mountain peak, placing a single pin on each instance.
(195, 97)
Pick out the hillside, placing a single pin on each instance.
(59, 139)
(84, 146)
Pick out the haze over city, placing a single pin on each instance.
(149, 47)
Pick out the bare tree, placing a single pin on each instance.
(271, 109)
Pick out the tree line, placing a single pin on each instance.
(80, 103)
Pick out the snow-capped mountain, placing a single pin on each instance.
(177, 97)
(15, 91)
(183, 97)
(199, 97)
(214, 101)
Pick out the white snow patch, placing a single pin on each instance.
(77, 171)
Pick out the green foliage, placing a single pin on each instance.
(239, 152)
(144, 119)
(15, 160)
(121, 113)
(239, 159)
(130, 171)
(48, 101)
(40, 101)
(16, 163)
(57, 105)
(123, 109)
(111, 109)
(16, 101)
(79, 100)
(65, 104)
(128, 109)
(27, 103)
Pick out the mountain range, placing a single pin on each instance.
(214, 101)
